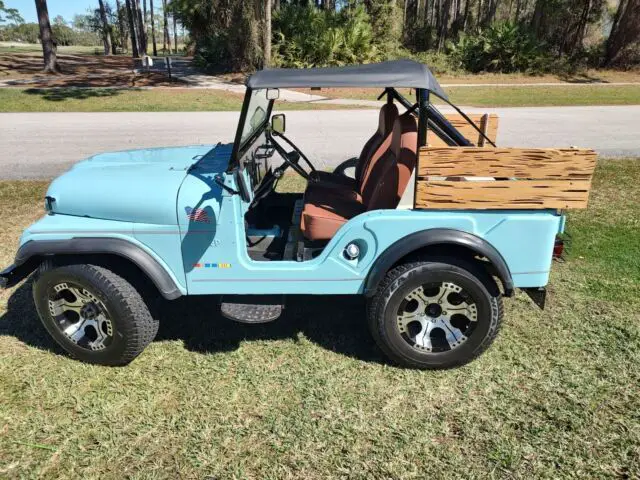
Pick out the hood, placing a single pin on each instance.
(132, 186)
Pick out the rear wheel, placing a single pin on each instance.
(439, 313)
(93, 313)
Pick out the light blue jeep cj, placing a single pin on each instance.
(432, 223)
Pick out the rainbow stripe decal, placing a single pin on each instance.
(211, 265)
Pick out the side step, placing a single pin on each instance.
(252, 308)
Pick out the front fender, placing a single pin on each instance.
(98, 245)
(143, 245)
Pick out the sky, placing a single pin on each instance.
(66, 8)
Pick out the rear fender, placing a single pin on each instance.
(437, 236)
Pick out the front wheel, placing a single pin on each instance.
(435, 314)
(93, 313)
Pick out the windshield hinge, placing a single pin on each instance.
(220, 181)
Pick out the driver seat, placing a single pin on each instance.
(369, 154)
(383, 188)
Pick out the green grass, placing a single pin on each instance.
(172, 100)
(130, 100)
(310, 397)
(518, 96)
(540, 96)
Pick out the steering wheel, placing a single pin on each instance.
(292, 159)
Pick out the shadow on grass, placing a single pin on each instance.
(336, 323)
(581, 78)
(73, 93)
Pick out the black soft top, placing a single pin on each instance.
(392, 74)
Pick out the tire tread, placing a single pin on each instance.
(389, 284)
(140, 326)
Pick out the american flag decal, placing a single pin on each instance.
(198, 215)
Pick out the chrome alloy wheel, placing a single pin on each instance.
(437, 317)
(80, 316)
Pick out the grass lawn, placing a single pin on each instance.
(179, 99)
(586, 76)
(514, 96)
(309, 396)
(131, 100)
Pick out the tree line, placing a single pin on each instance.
(474, 35)
(471, 35)
(126, 25)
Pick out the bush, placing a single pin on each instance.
(504, 48)
(311, 37)
(438, 62)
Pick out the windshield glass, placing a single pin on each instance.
(256, 114)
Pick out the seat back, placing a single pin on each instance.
(377, 144)
(392, 178)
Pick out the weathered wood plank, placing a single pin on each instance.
(490, 129)
(531, 163)
(507, 194)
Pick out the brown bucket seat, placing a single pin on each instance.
(370, 153)
(382, 189)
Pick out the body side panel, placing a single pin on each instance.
(523, 238)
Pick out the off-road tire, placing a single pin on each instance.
(134, 327)
(383, 306)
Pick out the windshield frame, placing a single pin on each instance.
(240, 146)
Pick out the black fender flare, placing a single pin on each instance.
(437, 236)
(98, 245)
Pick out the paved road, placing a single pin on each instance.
(42, 145)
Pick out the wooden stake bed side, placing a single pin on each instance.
(519, 178)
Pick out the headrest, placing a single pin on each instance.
(388, 115)
(405, 134)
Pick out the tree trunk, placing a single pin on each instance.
(465, 18)
(537, 23)
(518, 7)
(144, 20)
(132, 29)
(166, 41)
(175, 33)
(267, 34)
(49, 46)
(121, 26)
(106, 34)
(443, 24)
(578, 39)
(625, 30)
(153, 29)
(491, 14)
(142, 36)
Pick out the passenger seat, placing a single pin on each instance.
(382, 189)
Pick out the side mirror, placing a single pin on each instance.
(278, 123)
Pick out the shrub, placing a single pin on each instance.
(438, 62)
(504, 48)
(311, 37)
